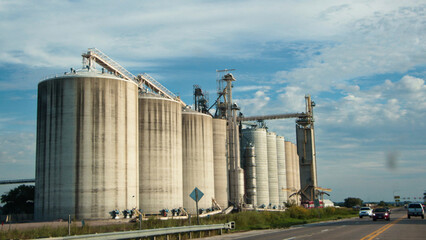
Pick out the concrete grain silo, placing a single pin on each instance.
(257, 137)
(289, 163)
(272, 168)
(86, 152)
(197, 158)
(282, 181)
(296, 170)
(160, 154)
(220, 163)
(249, 157)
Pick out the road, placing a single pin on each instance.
(399, 227)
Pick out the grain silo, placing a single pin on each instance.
(197, 158)
(250, 174)
(289, 170)
(220, 164)
(86, 153)
(296, 170)
(160, 153)
(282, 181)
(257, 136)
(271, 139)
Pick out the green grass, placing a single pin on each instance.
(244, 221)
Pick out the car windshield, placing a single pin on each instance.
(380, 210)
(415, 205)
(365, 208)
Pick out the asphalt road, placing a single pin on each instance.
(399, 227)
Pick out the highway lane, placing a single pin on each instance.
(399, 227)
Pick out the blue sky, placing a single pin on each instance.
(363, 62)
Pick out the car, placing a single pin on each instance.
(388, 209)
(415, 209)
(381, 213)
(365, 211)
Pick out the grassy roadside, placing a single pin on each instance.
(244, 221)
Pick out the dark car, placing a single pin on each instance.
(381, 213)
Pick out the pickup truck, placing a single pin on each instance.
(415, 209)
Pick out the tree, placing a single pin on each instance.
(19, 200)
(352, 202)
(382, 204)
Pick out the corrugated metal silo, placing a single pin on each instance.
(160, 154)
(272, 168)
(220, 165)
(257, 136)
(282, 181)
(289, 169)
(86, 153)
(197, 158)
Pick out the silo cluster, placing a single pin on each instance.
(102, 146)
(275, 164)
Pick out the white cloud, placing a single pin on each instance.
(17, 148)
(383, 42)
(49, 33)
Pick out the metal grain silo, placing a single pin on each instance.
(271, 139)
(86, 153)
(220, 165)
(257, 136)
(289, 169)
(197, 158)
(282, 181)
(160, 154)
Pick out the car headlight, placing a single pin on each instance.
(374, 214)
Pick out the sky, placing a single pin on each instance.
(362, 62)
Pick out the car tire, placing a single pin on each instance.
(374, 219)
(423, 216)
(408, 216)
(388, 219)
(360, 216)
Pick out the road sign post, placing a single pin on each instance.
(196, 195)
(196, 206)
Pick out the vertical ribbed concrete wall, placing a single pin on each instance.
(289, 169)
(197, 158)
(220, 165)
(250, 174)
(258, 138)
(160, 154)
(86, 151)
(282, 181)
(296, 170)
(271, 139)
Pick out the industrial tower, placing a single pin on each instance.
(305, 139)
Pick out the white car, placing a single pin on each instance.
(365, 211)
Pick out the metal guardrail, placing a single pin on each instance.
(150, 232)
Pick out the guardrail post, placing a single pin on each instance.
(190, 235)
(220, 233)
(69, 225)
